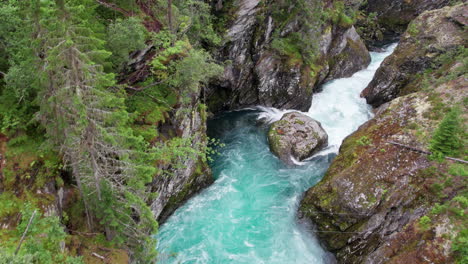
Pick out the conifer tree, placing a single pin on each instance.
(446, 139)
(88, 123)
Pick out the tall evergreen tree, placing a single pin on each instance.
(88, 124)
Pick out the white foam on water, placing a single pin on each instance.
(248, 215)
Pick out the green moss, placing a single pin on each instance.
(425, 222)
(364, 141)
(300, 122)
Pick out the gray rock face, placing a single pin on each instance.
(193, 176)
(431, 35)
(258, 74)
(296, 136)
(395, 15)
(384, 21)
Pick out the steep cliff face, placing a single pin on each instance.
(178, 179)
(375, 193)
(192, 176)
(394, 16)
(378, 200)
(385, 20)
(428, 39)
(277, 54)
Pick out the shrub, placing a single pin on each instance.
(425, 222)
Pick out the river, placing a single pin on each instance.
(249, 214)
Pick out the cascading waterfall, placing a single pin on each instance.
(249, 214)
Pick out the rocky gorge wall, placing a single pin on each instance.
(379, 202)
(278, 53)
(382, 21)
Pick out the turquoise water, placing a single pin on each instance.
(249, 214)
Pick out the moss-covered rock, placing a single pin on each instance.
(374, 194)
(178, 183)
(296, 136)
(383, 21)
(428, 38)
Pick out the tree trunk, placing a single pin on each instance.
(169, 15)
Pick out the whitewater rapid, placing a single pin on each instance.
(248, 215)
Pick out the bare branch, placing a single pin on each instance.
(24, 233)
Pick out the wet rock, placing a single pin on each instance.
(431, 35)
(296, 136)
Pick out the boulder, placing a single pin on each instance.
(296, 136)
(431, 36)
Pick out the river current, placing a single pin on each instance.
(248, 215)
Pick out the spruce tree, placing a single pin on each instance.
(446, 139)
(84, 114)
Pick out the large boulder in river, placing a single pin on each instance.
(430, 39)
(277, 53)
(296, 136)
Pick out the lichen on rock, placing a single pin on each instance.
(375, 193)
(431, 35)
(296, 136)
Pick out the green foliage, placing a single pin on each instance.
(123, 37)
(368, 26)
(63, 111)
(184, 69)
(341, 15)
(413, 29)
(88, 124)
(460, 246)
(42, 242)
(22, 78)
(288, 47)
(458, 170)
(364, 141)
(446, 139)
(425, 222)
(300, 47)
(194, 19)
(193, 71)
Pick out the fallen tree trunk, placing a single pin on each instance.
(424, 152)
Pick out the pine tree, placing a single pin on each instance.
(87, 121)
(446, 139)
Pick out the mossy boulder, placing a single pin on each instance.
(296, 136)
(428, 38)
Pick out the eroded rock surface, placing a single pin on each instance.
(296, 136)
(375, 194)
(384, 21)
(428, 38)
(266, 64)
